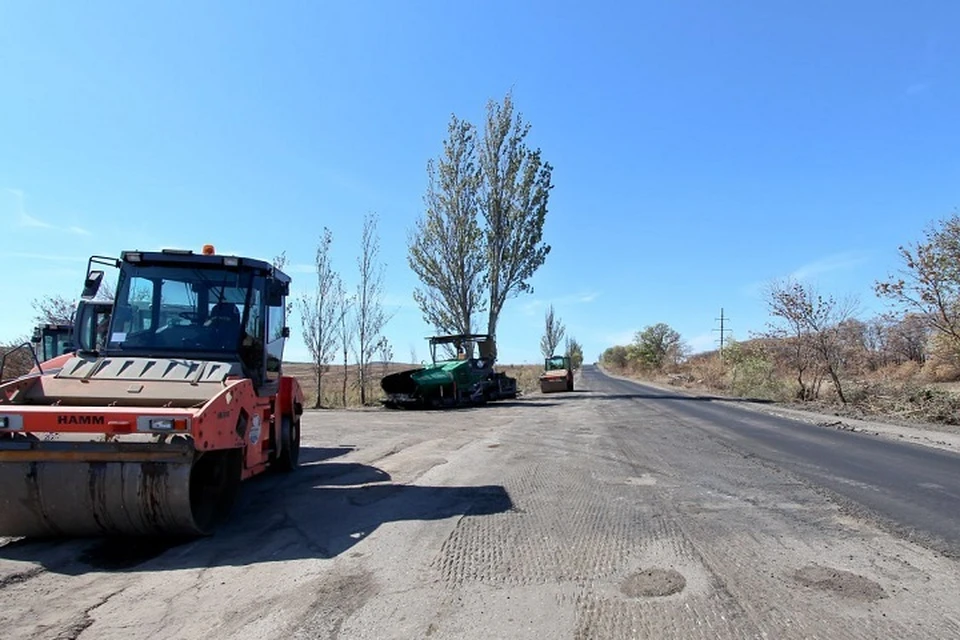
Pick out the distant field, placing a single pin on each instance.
(332, 385)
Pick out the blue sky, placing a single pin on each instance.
(700, 149)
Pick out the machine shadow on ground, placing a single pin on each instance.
(319, 454)
(321, 510)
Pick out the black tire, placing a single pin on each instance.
(289, 458)
(214, 485)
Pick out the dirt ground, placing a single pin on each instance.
(577, 515)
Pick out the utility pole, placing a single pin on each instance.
(722, 330)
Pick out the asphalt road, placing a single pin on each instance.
(911, 488)
(616, 511)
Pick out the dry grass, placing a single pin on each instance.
(18, 362)
(906, 391)
(332, 383)
(527, 375)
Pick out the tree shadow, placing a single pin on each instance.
(319, 511)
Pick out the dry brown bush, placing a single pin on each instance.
(18, 362)
(902, 372)
(928, 391)
(527, 375)
(939, 370)
(711, 373)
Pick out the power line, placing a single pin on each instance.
(722, 331)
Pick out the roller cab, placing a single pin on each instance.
(152, 428)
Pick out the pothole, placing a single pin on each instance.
(840, 582)
(652, 583)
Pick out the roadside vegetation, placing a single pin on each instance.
(817, 353)
(480, 238)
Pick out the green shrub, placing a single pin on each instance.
(753, 376)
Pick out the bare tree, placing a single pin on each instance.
(280, 262)
(553, 331)
(319, 312)
(345, 337)
(908, 338)
(54, 310)
(446, 251)
(929, 283)
(386, 355)
(855, 342)
(513, 202)
(790, 333)
(370, 315)
(816, 323)
(574, 351)
(107, 292)
(876, 340)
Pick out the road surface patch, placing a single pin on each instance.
(840, 582)
(652, 583)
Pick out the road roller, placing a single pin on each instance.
(151, 425)
(557, 374)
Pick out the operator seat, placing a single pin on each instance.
(224, 319)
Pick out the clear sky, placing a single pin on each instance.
(700, 149)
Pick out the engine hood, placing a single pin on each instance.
(434, 376)
(131, 381)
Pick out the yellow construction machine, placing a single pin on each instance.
(557, 375)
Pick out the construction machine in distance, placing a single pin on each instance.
(557, 375)
(153, 431)
(457, 380)
(51, 343)
(54, 340)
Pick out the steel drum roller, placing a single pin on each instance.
(42, 498)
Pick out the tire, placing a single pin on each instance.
(289, 458)
(214, 485)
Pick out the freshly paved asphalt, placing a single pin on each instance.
(911, 488)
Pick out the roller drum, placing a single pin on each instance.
(553, 384)
(43, 498)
